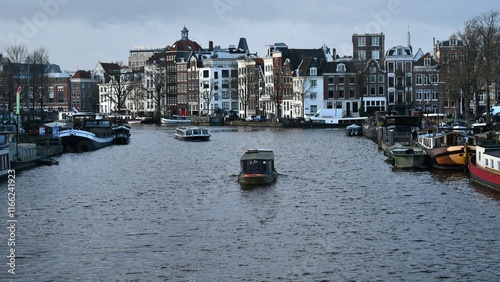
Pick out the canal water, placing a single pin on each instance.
(160, 209)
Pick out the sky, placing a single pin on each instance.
(78, 34)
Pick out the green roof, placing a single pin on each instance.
(261, 154)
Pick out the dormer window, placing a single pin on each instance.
(313, 71)
(340, 68)
(427, 62)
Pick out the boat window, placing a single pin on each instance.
(255, 166)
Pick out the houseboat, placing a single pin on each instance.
(257, 167)
(334, 118)
(176, 119)
(447, 150)
(192, 133)
(85, 132)
(484, 167)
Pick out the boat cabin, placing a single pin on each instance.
(257, 162)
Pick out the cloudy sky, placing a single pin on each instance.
(78, 34)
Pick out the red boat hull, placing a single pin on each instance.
(482, 176)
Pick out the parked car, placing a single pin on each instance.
(260, 118)
(250, 118)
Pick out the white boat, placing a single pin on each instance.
(176, 119)
(192, 133)
(354, 130)
(403, 156)
(334, 117)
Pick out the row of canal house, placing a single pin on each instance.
(285, 83)
(295, 83)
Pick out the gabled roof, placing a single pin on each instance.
(296, 56)
(110, 67)
(420, 61)
(311, 62)
(82, 74)
(331, 67)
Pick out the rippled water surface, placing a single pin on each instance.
(160, 209)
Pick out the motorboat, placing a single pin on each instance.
(192, 133)
(403, 156)
(176, 119)
(354, 130)
(257, 167)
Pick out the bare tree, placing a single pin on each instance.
(361, 80)
(463, 72)
(119, 80)
(17, 54)
(39, 61)
(157, 76)
(488, 30)
(247, 85)
(301, 89)
(207, 93)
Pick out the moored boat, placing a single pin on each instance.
(121, 134)
(86, 133)
(354, 130)
(484, 167)
(402, 156)
(176, 119)
(192, 133)
(257, 167)
(447, 150)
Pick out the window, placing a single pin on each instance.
(381, 90)
(373, 78)
(340, 68)
(225, 73)
(427, 62)
(314, 83)
(329, 105)
(313, 71)
(351, 79)
(341, 93)
(362, 54)
(375, 54)
(341, 80)
(330, 80)
(205, 74)
(375, 41)
(373, 69)
(361, 41)
(418, 79)
(381, 78)
(60, 94)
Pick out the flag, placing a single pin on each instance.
(18, 99)
(75, 109)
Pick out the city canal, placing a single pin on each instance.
(160, 209)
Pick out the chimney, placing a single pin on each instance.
(210, 45)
